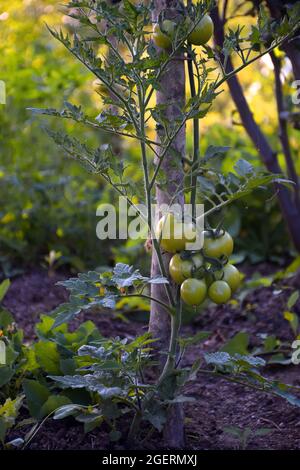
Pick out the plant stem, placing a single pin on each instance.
(229, 75)
(134, 427)
(196, 137)
(170, 364)
(171, 140)
(237, 381)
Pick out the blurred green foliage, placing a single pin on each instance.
(47, 202)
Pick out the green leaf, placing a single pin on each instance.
(44, 328)
(238, 344)
(53, 402)
(8, 414)
(130, 10)
(218, 358)
(48, 356)
(6, 319)
(15, 443)
(270, 343)
(110, 410)
(236, 362)
(4, 286)
(279, 359)
(156, 415)
(292, 300)
(90, 382)
(11, 354)
(197, 338)
(206, 185)
(67, 366)
(6, 373)
(243, 168)
(233, 431)
(65, 313)
(290, 270)
(214, 151)
(92, 351)
(10, 409)
(125, 275)
(249, 361)
(36, 395)
(157, 280)
(93, 423)
(66, 410)
(293, 320)
(290, 398)
(70, 381)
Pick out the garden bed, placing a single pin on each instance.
(219, 404)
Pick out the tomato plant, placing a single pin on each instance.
(162, 35)
(133, 72)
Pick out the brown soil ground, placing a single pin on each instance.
(219, 403)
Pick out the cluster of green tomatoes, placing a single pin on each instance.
(200, 274)
(201, 34)
(163, 35)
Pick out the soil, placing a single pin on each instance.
(219, 404)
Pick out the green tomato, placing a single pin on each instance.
(163, 38)
(217, 247)
(202, 32)
(181, 269)
(232, 276)
(219, 292)
(193, 291)
(173, 235)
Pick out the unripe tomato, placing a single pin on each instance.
(193, 291)
(180, 269)
(231, 276)
(163, 38)
(202, 32)
(219, 292)
(173, 234)
(215, 247)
